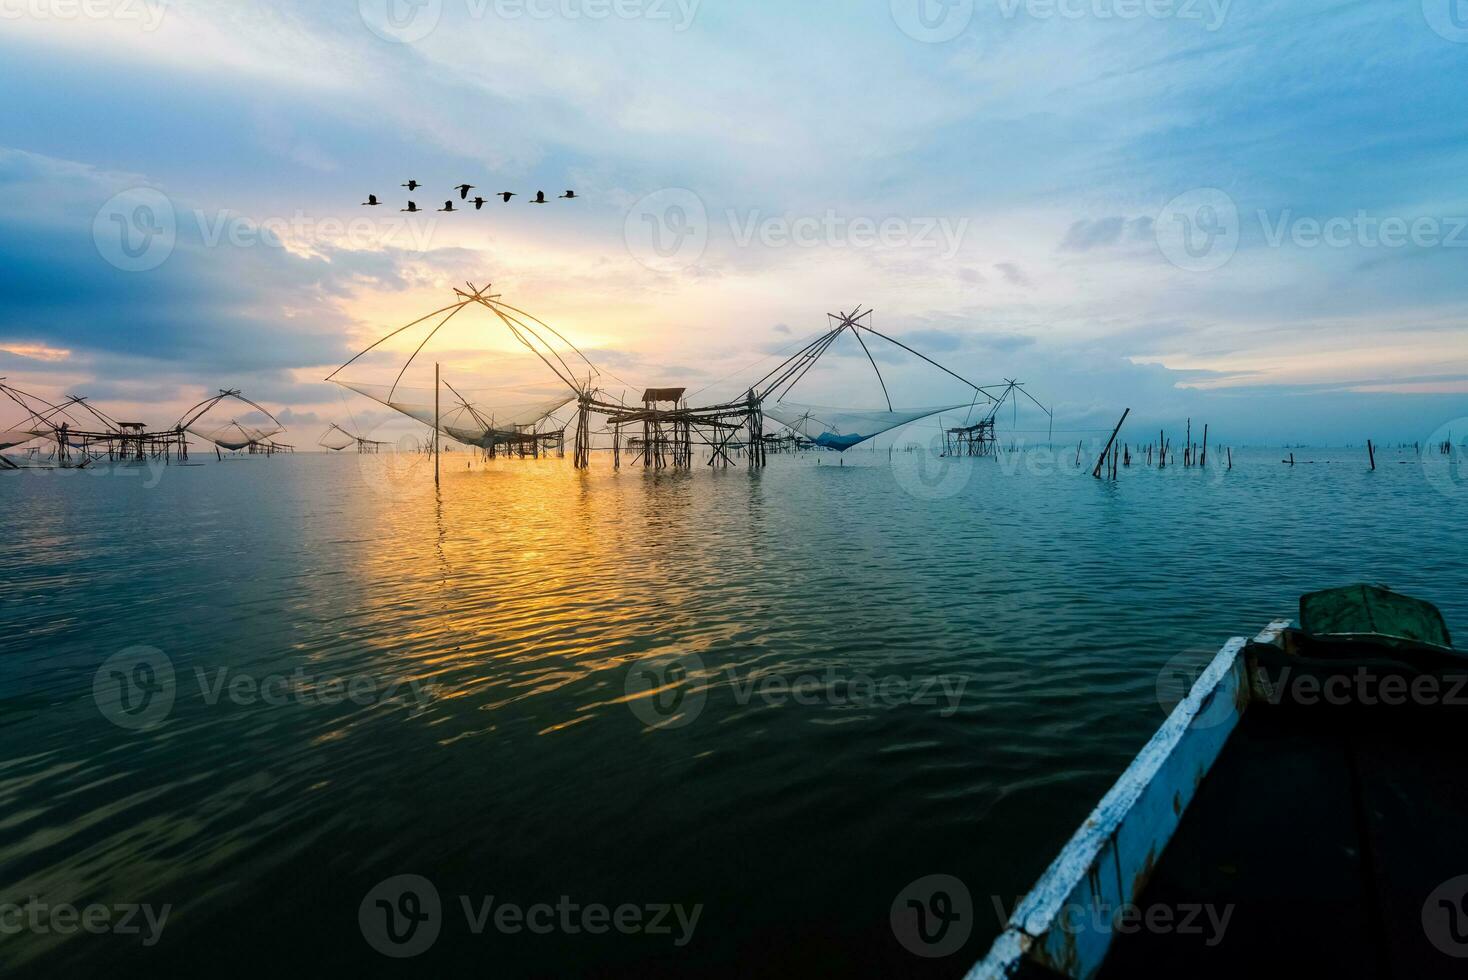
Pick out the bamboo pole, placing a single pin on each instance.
(435, 423)
(1371, 452)
(1109, 443)
(1203, 460)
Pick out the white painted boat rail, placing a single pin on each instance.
(1108, 861)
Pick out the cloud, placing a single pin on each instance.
(1058, 258)
(1012, 273)
(1085, 235)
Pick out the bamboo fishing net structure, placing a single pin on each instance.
(664, 430)
(78, 433)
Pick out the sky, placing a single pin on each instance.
(1250, 214)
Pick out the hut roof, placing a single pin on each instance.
(663, 394)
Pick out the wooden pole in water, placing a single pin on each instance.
(1230, 457)
(435, 423)
(1371, 452)
(1203, 460)
(1109, 443)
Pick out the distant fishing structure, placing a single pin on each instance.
(980, 438)
(661, 429)
(234, 436)
(336, 438)
(83, 434)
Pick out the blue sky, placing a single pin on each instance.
(1255, 214)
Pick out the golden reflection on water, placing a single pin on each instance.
(500, 616)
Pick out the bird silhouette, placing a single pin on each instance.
(412, 185)
(447, 206)
(539, 198)
(411, 207)
(464, 190)
(569, 196)
(478, 203)
(506, 195)
(371, 201)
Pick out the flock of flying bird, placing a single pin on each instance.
(464, 189)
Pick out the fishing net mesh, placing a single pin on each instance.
(473, 416)
(842, 428)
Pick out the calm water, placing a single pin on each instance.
(556, 696)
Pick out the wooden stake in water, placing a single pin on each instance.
(1371, 452)
(1109, 443)
(435, 423)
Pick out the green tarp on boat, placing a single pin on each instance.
(1371, 611)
